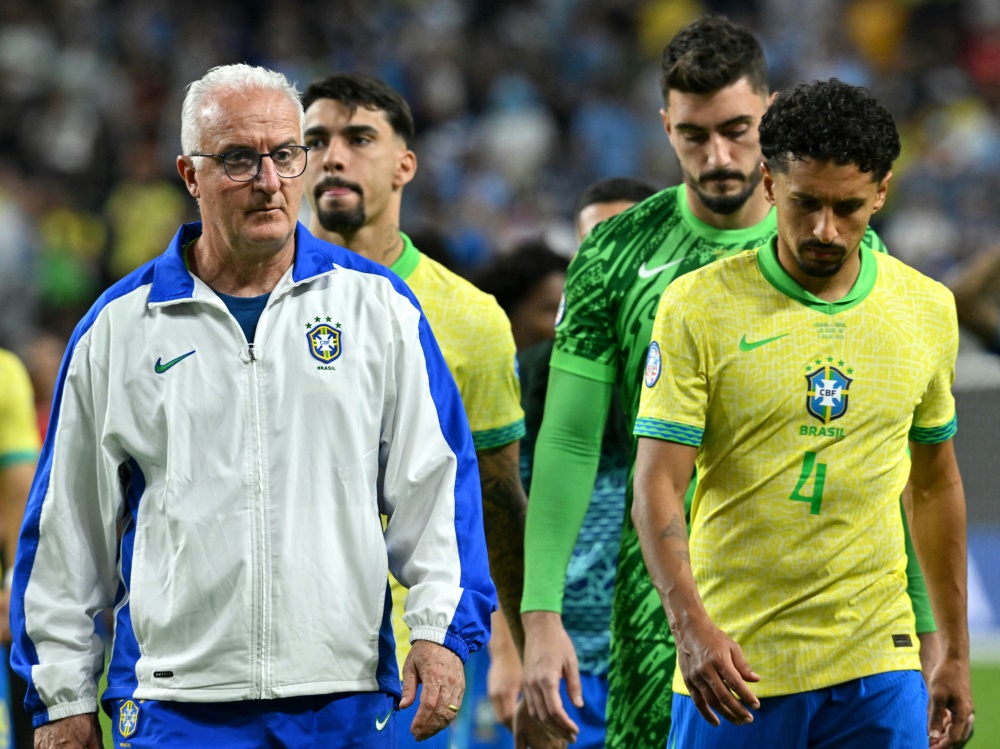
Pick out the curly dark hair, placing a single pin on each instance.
(829, 121)
(355, 90)
(512, 277)
(709, 54)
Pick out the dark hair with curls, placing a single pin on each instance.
(614, 189)
(829, 121)
(355, 90)
(709, 54)
(512, 277)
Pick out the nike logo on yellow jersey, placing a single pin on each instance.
(746, 345)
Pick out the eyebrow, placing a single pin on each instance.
(237, 146)
(347, 130)
(742, 119)
(845, 201)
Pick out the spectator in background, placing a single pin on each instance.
(976, 287)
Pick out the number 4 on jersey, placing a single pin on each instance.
(809, 465)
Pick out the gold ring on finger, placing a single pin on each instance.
(453, 708)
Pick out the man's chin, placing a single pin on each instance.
(724, 205)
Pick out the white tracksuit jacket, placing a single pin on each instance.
(247, 484)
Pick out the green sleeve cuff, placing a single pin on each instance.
(668, 430)
(916, 588)
(565, 466)
(588, 368)
(500, 436)
(14, 458)
(935, 435)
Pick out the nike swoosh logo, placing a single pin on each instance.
(161, 368)
(380, 723)
(645, 272)
(746, 345)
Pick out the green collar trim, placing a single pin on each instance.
(768, 225)
(770, 268)
(187, 251)
(408, 259)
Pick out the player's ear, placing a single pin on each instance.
(665, 116)
(406, 169)
(880, 195)
(768, 182)
(185, 167)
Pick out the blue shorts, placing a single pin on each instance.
(357, 721)
(590, 718)
(887, 711)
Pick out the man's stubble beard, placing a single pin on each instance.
(725, 205)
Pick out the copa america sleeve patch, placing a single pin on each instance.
(652, 364)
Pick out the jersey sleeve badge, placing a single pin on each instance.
(652, 364)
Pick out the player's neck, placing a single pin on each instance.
(831, 289)
(379, 241)
(244, 272)
(749, 214)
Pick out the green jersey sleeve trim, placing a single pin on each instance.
(724, 237)
(777, 276)
(17, 457)
(490, 438)
(408, 259)
(935, 435)
(668, 430)
(592, 370)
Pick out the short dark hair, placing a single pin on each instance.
(512, 277)
(614, 189)
(709, 54)
(829, 121)
(355, 90)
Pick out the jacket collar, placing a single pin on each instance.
(172, 281)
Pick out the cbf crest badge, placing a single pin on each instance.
(325, 339)
(128, 718)
(828, 390)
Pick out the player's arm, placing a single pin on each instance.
(976, 288)
(937, 523)
(15, 483)
(565, 464)
(504, 506)
(70, 515)
(711, 663)
(916, 589)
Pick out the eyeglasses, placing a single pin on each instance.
(243, 164)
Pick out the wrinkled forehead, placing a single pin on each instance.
(244, 118)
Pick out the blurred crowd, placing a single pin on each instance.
(519, 104)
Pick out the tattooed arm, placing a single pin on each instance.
(504, 507)
(711, 663)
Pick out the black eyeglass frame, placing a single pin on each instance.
(260, 160)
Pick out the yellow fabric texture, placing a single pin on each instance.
(478, 346)
(812, 599)
(18, 429)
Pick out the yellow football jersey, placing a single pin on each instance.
(18, 428)
(802, 410)
(478, 346)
